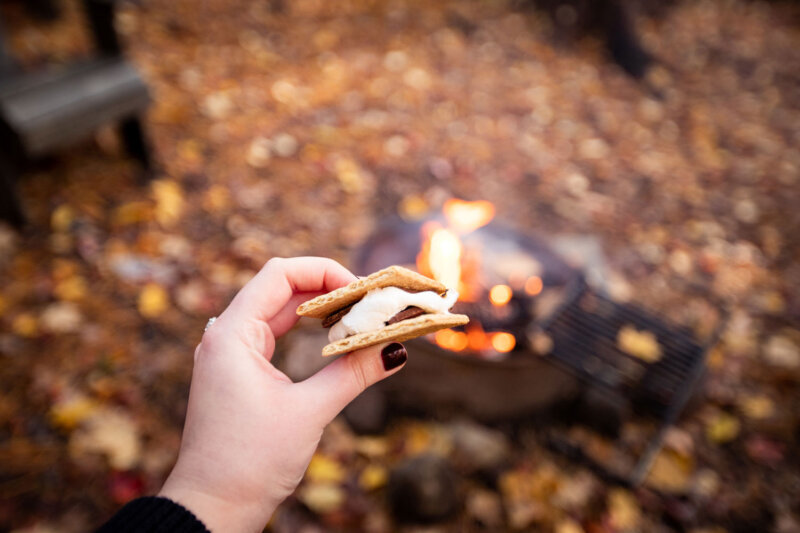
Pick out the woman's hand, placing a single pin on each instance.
(250, 432)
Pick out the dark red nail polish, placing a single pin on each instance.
(393, 356)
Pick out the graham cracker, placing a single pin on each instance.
(393, 276)
(400, 331)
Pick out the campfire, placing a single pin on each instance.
(497, 272)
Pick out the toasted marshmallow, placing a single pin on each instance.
(378, 306)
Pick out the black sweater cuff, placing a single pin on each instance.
(153, 514)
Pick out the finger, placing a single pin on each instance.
(287, 317)
(270, 290)
(336, 385)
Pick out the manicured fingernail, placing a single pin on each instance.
(393, 356)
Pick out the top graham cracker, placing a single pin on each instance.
(393, 276)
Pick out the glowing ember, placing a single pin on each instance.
(465, 216)
(534, 285)
(503, 342)
(500, 295)
(477, 339)
(451, 340)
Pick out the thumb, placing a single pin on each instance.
(336, 385)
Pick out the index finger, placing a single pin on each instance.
(272, 288)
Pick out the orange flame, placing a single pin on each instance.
(503, 342)
(444, 258)
(465, 217)
(534, 285)
(500, 295)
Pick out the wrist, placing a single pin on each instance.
(216, 512)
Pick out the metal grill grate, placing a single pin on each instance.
(584, 334)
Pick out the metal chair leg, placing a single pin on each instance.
(10, 207)
(134, 140)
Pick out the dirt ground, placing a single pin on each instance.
(294, 128)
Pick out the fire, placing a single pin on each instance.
(465, 217)
(534, 285)
(500, 295)
(444, 257)
(503, 342)
(451, 340)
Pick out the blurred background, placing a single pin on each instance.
(612, 185)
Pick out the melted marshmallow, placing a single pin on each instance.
(379, 305)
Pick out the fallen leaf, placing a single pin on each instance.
(722, 428)
(324, 469)
(132, 213)
(216, 199)
(781, 351)
(756, 406)
(640, 344)
(169, 201)
(68, 413)
(349, 175)
(322, 498)
(568, 525)
(25, 325)
(486, 507)
(111, 433)
(61, 317)
(671, 472)
(62, 217)
(623, 510)
(71, 289)
(153, 300)
(373, 477)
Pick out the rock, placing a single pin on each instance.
(485, 507)
(367, 414)
(423, 490)
(61, 317)
(484, 448)
(284, 145)
(782, 351)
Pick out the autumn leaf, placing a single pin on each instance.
(372, 477)
(68, 413)
(153, 300)
(322, 498)
(169, 201)
(323, 469)
(111, 433)
(722, 428)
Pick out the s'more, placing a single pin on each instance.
(393, 304)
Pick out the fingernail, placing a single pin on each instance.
(393, 356)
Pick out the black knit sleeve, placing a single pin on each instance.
(153, 515)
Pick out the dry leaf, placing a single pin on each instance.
(722, 428)
(623, 510)
(322, 498)
(111, 433)
(169, 201)
(153, 300)
(640, 344)
(757, 406)
(25, 325)
(71, 411)
(61, 317)
(324, 469)
(373, 477)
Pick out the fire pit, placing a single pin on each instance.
(538, 338)
(507, 282)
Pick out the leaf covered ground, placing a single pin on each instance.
(293, 128)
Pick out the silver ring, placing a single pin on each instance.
(208, 324)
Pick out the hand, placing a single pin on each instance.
(250, 432)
